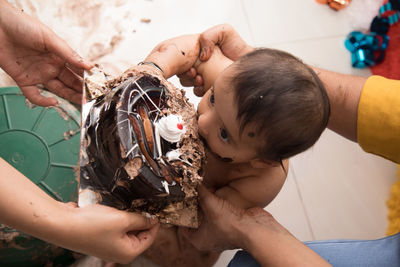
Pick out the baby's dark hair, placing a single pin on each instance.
(283, 98)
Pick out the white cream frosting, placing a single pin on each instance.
(171, 128)
(176, 155)
(87, 197)
(173, 155)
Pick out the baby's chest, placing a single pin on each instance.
(218, 174)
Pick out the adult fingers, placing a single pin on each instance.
(207, 48)
(215, 208)
(225, 36)
(75, 70)
(33, 95)
(191, 78)
(187, 78)
(71, 79)
(199, 80)
(208, 39)
(138, 222)
(137, 244)
(59, 47)
(186, 82)
(199, 91)
(191, 73)
(60, 89)
(208, 201)
(146, 238)
(214, 36)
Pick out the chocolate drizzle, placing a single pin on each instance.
(122, 161)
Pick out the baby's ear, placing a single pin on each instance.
(262, 163)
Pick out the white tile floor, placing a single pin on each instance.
(333, 190)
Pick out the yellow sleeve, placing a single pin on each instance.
(378, 123)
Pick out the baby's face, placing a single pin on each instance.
(217, 113)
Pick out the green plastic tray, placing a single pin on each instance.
(43, 144)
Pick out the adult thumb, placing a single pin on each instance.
(140, 241)
(146, 238)
(209, 202)
(60, 47)
(139, 222)
(207, 43)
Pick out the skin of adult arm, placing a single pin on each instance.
(344, 93)
(271, 244)
(254, 230)
(97, 230)
(343, 90)
(31, 53)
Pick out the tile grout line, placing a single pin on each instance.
(247, 20)
(308, 39)
(303, 205)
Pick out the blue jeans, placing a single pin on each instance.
(383, 252)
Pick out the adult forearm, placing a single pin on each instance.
(344, 94)
(272, 245)
(283, 252)
(25, 206)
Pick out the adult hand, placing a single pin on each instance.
(31, 53)
(218, 229)
(225, 226)
(107, 233)
(176, 55)
(229, 41)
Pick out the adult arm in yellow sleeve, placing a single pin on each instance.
(344, 94)
(378, 121)
(366, 111)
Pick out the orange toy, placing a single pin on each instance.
(335, 4)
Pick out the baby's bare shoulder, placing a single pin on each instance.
(260, 185)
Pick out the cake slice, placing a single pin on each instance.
(140, 149)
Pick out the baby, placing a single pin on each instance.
(259, 111)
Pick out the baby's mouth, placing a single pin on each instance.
(212, 152)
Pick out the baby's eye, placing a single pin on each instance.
(224, 135)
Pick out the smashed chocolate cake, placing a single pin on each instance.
(140, 149)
